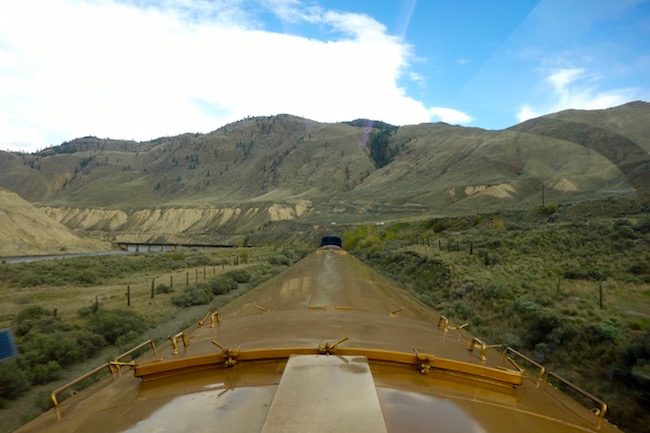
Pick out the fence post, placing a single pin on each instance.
(152, 289)
(196, 274)
(471, 248)
(187, 278)
(204, 272)
(171, 281)
(128, 296)
(600, 291)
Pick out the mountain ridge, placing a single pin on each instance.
(354, 170)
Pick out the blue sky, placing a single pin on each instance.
(140, 69)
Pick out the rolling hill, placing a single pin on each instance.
(245, 174)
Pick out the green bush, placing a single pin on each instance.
(261, 274)
(13, 380)
(89, 343)
(608, 330)
(163, 288)
(539, 321)
(420, 273)
(222, 284)
(111, 324)
(639, 268)
(42, 348)
(127, 338)
(193, 295)
(43, 401)
(44, 373)
(198, 260)
(585, 273)
(643, 225)
(35, 319)
(27, 318)
(547, 210)
(240, 275)
(279, 260)
(33, 312)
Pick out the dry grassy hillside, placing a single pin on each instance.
(26, 230)
(345, 172)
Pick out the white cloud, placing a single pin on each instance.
(414, 76)
(449, 115)
(463, 61)
(17, 137)
(562, 78)
(138, 70)
(578, 89)
(291, 10)
(526, 113)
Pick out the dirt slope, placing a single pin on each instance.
(27, 230)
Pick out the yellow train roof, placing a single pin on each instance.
(329, 345)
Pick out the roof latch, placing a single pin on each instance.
(424, 362)
(230, 354)
(330, 349)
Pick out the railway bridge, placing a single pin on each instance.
(162, 246)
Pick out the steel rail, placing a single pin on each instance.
(598, 411)
(139, 346)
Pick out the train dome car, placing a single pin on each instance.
(329, 345)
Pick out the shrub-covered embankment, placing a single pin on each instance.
(573, 293)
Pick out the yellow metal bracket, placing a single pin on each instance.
(115, 366)
(231, 355)
(477, 342)
(424, 362)
(443, 323)
(174, 341)
(214, 317)
(330, 349)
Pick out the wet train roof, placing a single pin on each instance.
(269, 362)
